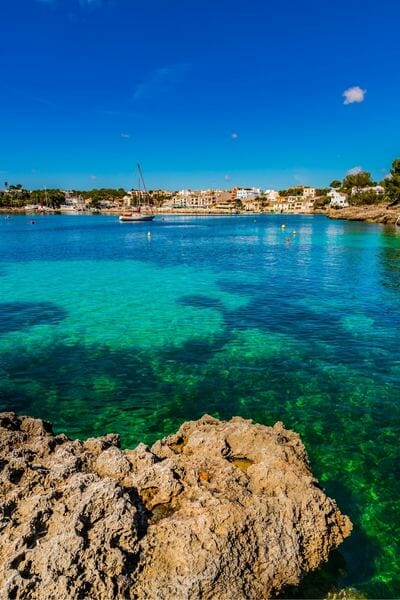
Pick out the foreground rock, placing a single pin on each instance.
(221, 510)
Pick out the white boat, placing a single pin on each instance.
(135, 216)
(140, 212)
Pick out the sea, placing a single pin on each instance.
(137, 327)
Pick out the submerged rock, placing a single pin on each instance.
(346, 594)
(220, 510)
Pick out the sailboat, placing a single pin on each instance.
(141, 212)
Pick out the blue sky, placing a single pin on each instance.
(203, 93)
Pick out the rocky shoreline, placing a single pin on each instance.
(225, 510)
(379, 213)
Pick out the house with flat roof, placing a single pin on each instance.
(337, 199)
(294, 204)
(271, 195)
(309, 192)
(247, 193)
(378, 189)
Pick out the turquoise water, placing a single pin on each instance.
(103, 328)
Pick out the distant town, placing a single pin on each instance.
(356, 189)
(296, 200)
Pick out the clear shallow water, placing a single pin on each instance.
(103, 329)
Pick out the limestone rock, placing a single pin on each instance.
(220, 510)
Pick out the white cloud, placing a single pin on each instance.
(126, 136)
(227, 177)
(353, 95)
(234, 136)
(159, 81)
(354, 171)
(93, 177)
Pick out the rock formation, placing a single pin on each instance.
(373, 213)
(220, 510)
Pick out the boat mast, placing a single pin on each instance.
(141, 180)
(139, 196)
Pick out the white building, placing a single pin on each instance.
(193, 199)
(134, 197)
(247, 193)
(72, 202)
(294, 204)
(272, 195)
(378, 189)
(338, 200)
(309, 192)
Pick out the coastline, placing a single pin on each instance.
(380, 213)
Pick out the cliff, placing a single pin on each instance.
(220, 510)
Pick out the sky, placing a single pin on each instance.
(203, 93)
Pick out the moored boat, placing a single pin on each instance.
(136, 214)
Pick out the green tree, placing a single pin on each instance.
(363, 197)
(336, 183)
(15, 196)
(392, 183)
(297, 191)
(95, 203)
(357, 180)
(96, 196)
(37, 197)
(53, 198)
(321, 200)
